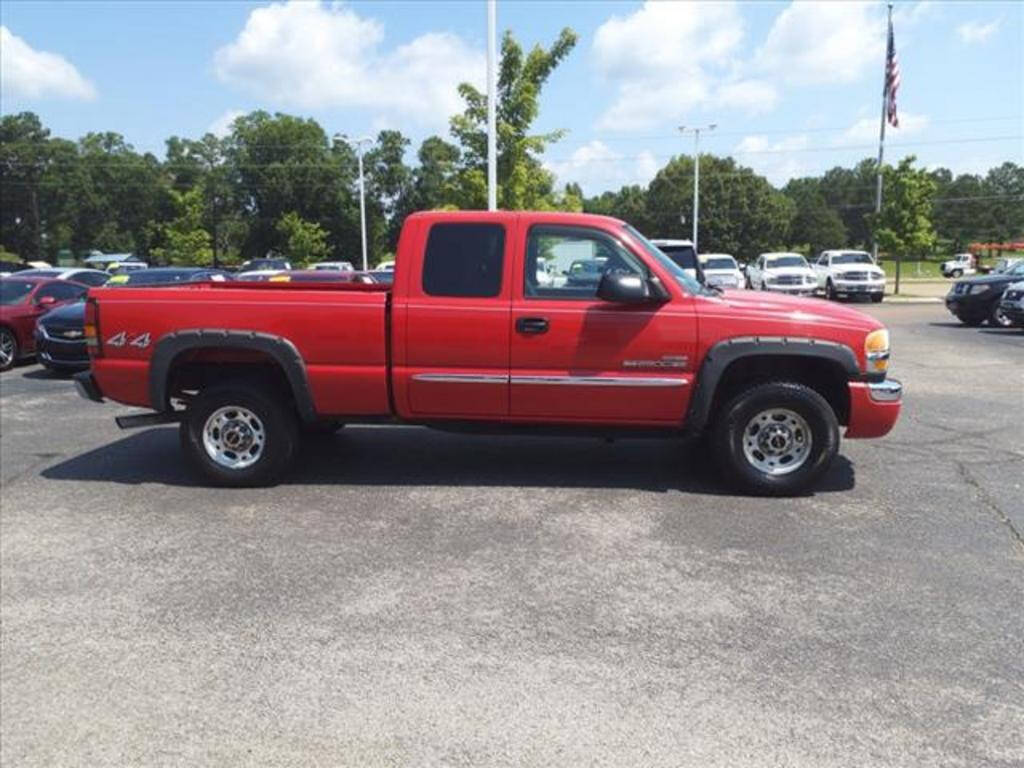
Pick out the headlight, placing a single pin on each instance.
(808, 279)
(979, 288)
(876, 351)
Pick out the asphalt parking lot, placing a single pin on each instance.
(423, 599)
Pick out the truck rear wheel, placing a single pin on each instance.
(238, 435)
(776, 439)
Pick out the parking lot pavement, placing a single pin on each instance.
(417, 598)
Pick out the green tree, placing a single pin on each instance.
(435, 180)
(740, 212)
(628, 204)
(814, 224)
(389, 183)
(305, 242)
(523, 183)
(904, 227)
(850, 192)
(24, 156)
(184, 241)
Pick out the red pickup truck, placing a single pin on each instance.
(545, 322)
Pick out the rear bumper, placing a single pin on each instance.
(874, 407)
(86, 387)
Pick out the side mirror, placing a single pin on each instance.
(624, 289)
(46, 301)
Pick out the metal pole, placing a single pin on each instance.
(492, 98)
(881, 150)
(362, 203)
(696, 184)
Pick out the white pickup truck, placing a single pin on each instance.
(961, 264)
(849, 273)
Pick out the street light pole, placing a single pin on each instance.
(492, 106)
(696, 173)
(357, 144)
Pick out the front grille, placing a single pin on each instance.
(66, 334)
(788, 280)
(854, 276)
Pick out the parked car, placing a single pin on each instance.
(270, 262)
(258, 275)
(465, 340)
(1012, 304)
(60, 334)
(84, 276)
(783, 273)
(123, 267)
(961, 264)
(682, 253)
(342, 266)
(386, 266)
(383, 276)
(975, 300)
(1002, 265)
(848, 274)
(22, 301)
(319, 276)
(10, 267)
(721, 270)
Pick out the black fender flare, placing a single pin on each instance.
(726, 352)
(278, 348)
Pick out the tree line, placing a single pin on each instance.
(281, 183)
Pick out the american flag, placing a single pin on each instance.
(892, 80)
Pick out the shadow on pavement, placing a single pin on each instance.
(412, 456)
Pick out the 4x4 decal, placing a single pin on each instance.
(120, 339)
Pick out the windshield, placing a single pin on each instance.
(785, 261)
(852, 257)
(720, 262)
(688, 283)
(1016, 269)
(13, 291)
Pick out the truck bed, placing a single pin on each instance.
(338, 329)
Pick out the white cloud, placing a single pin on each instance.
(596, 167)
(818, 43)
(222, 125)
(976, 32)
(666, 59)
(866, 129)
(34, 74)
(313, 55)
(779, 160)
(751, 96)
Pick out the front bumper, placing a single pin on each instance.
(968, 305)
(86, 387)
(874, 407)
(55, 352)
(857, 287)
(1013, 311)
(792, 290)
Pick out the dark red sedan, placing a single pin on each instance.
(22, 301)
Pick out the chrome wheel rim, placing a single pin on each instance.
(234, 437)
(777, 441)
(6, 348)
(1001, 319)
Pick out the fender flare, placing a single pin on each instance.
(726, 352)
(278, 348)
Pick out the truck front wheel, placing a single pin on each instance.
(239, 435)
(776, 439)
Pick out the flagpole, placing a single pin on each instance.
(881, 150)
(492, 106)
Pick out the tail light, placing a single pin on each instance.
(92, 328)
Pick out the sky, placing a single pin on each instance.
(793, 88)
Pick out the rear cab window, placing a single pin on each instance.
(464, 260)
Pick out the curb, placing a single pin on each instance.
(913, 299)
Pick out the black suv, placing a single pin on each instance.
(976, 299)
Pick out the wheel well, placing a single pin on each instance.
(194, 370)
(826, 377)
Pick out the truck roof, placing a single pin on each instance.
(553, 217)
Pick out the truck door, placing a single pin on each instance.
(456, 338)
(575, 357)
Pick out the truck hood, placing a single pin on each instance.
(779, 310)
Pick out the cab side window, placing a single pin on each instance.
(464, 260)
(569, 262)
(61, 291)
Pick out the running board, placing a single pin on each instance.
(148, 419)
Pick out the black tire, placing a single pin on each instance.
(997, 319)
(877, 297)
(729, 432)
(830, 290)
(8, 341)
(972, 321)
(280, 434)
(957, 273)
